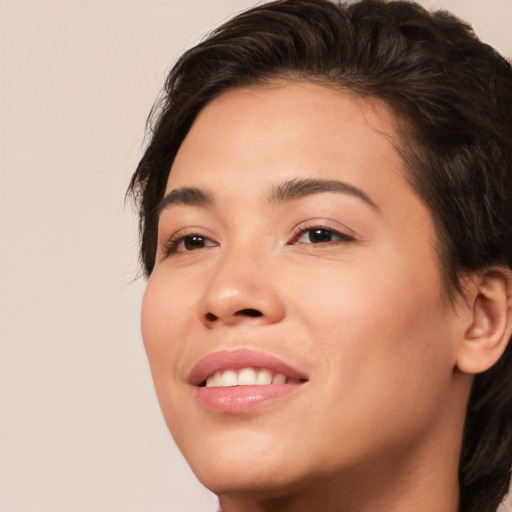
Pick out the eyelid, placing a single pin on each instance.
(168, 247)
(346, 235)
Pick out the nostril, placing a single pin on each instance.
(249, 312)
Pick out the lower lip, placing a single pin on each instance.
(237, 399)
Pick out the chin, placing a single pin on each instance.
(226, 480)
(242, 462)
(248, 478)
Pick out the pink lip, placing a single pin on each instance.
(237, 359)
(238, 399)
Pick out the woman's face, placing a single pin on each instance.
(290, 243)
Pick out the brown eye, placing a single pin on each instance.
(189, 243)
(319, 235)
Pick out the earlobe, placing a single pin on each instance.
(488, 334)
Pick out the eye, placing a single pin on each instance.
(320, 235)
(187, 243)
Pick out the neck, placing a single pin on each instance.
(412, 493)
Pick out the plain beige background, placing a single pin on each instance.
(80, 428)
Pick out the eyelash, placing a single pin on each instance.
(171, 246)
(302, 230)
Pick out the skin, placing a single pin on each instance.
(377, 426)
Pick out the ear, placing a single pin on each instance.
(489, 295)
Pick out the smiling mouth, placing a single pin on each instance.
(243, 380)
(248, 377)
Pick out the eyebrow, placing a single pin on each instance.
(184, 196)
(299, 188)
(288, 191)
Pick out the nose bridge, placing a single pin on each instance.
(240, 288)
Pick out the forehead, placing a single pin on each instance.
(283, 131)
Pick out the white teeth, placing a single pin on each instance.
(247, 377)
(264, 378)
(215, 380)
(279, 379)
(229, 378)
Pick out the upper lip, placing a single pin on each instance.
(237, 359)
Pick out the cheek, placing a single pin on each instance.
(165, 320)
(387, 350)
(165, 323)
(381, 328)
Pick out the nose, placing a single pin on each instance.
(240, 290)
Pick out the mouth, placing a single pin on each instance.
(241, 380)
(247, 377)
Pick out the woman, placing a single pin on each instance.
(325, 225)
